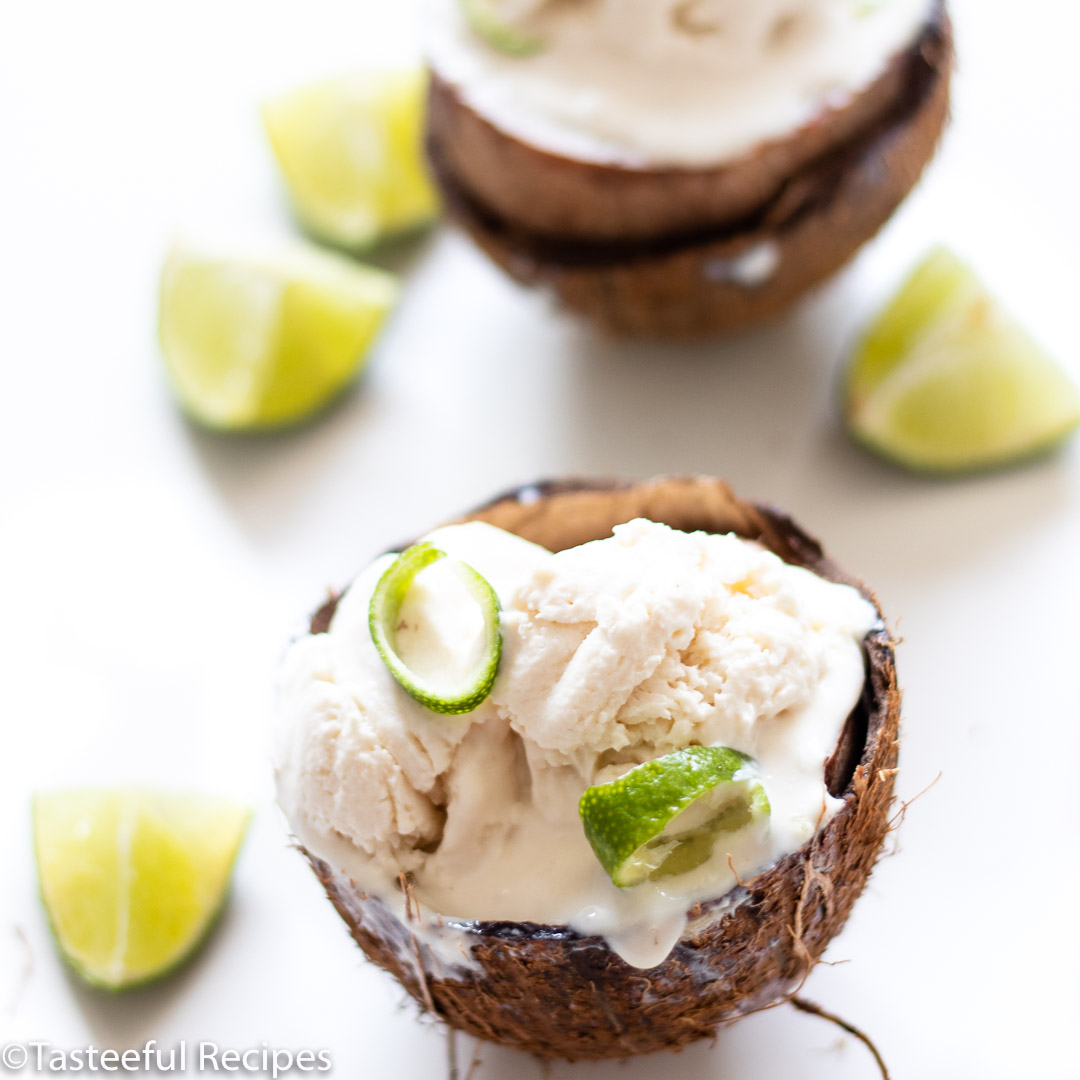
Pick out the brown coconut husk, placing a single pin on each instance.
(842, 184)
(558, 993)
(551, 195)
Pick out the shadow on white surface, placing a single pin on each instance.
(265, 481)
(735, 407)
(130, 1018)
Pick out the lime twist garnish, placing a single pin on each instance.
(383, 617)
(946, 380)
(132, 880)
(485, 20)
(662, 818)
(350, 151)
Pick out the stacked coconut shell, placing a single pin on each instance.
(688, 252)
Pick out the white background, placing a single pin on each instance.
(151, 572)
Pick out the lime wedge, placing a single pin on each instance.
(253, 343)
(383, 616)
(132, 879)
(945, 380)
(662, 818)
(497, 30)
(350, 151)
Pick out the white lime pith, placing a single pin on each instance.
(663, 818)
(383, 615)
(946, 380)
(350, 152)
(132, 879)
(256, 342)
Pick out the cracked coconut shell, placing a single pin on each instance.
(683, 253)
(557, 993)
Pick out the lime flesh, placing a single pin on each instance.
(945, 380)
(253, 343)
(663, 818)
(132, 879)
(350, 152)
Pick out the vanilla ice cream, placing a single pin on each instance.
(615, 653)
(644, 83)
